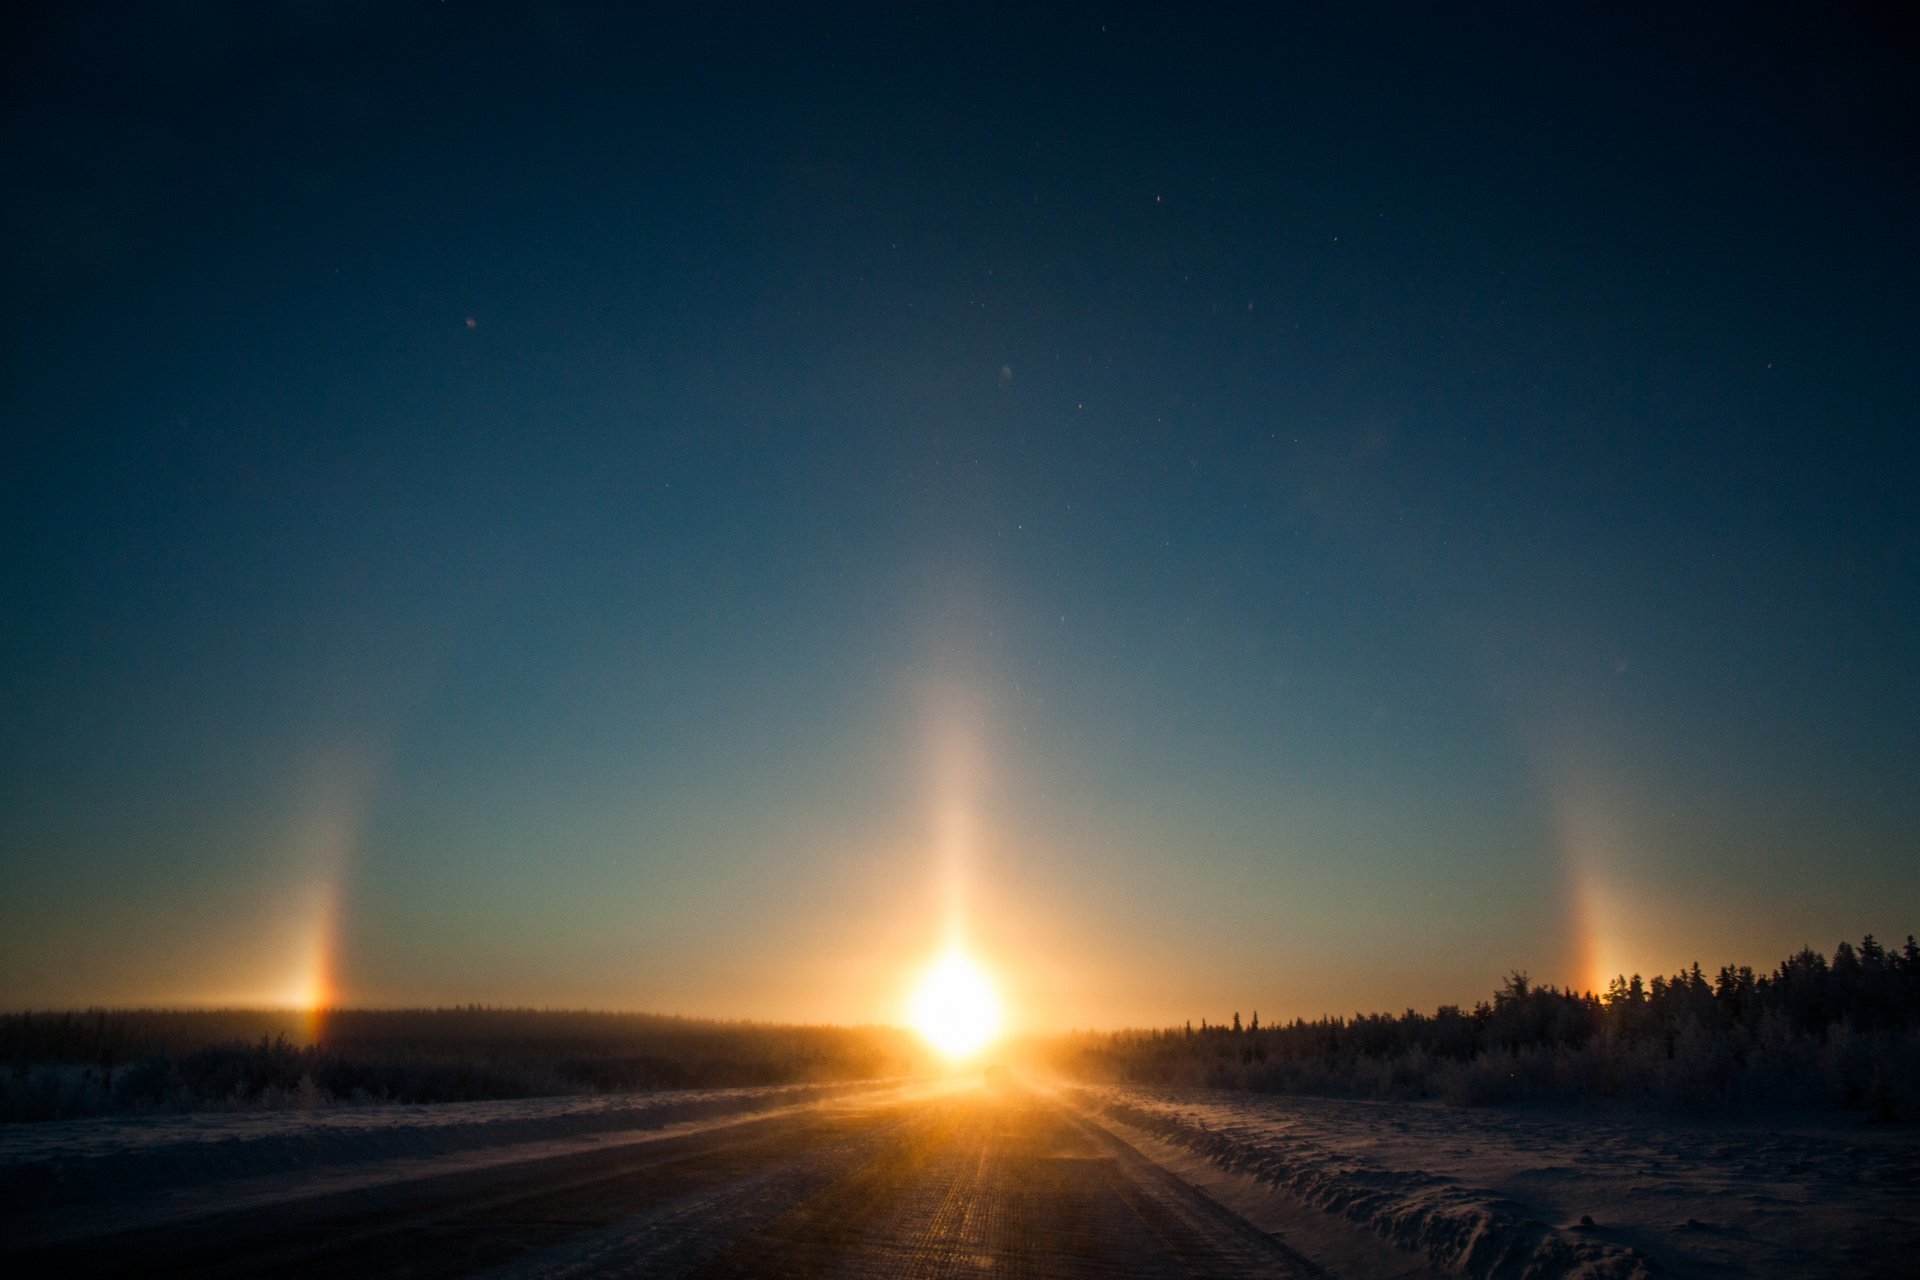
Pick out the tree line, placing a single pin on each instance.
(1843, 1032)
(61, 1064)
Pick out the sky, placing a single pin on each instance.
(1296, 509)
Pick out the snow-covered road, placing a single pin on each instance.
(1053, 1179)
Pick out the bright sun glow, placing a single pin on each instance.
(955, 1007)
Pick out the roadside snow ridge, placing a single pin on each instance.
(1462, 1231)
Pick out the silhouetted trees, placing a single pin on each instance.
(67, 1064)
(1842, 1033)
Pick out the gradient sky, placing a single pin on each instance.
(1266, 510)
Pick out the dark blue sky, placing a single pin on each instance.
(521, 505)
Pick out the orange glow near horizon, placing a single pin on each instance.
(1591, 965)
(302, 976)
(314, 991)
(328, 839)
(955, 1007)
(1604, 943)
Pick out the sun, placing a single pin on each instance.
(955, 1007)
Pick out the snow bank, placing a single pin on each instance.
(1461, 1230)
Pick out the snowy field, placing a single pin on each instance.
(1552, 1191)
